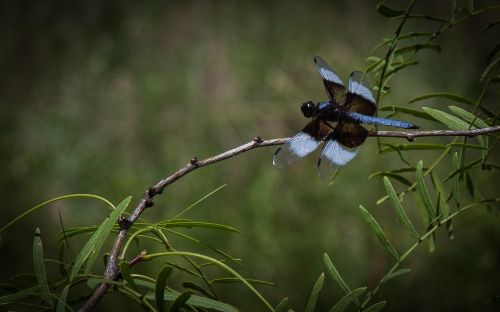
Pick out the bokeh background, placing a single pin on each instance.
(109, 97)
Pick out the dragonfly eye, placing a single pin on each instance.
(308, 109)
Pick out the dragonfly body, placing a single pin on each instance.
(335, 122)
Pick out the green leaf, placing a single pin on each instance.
(417, 47)
(389, 12)
(405, 110)
(313, 298)
(393, 175)
(398, 208)
(344, 302)
(192, 224)
(450, 121)
(411, 147)
(378, 232)
(180, 301)
(423, 194)
(449, 96)
(61, 301)
(376, 307)
(400, 67)
(197, 301)
(492, 53)
(281, 307)
(491, 25)
(39, 266)
(335, 274)
(472, 164)
(467, 116)
(443, 203)
(161, 283)
(197, 288)
(35, 291)
(91, 249)
(488, 68)
(125, 271)
(394, 274)
(456, 180)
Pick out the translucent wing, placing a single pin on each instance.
(302, 144)
(298, 147)
(333, 156)
(360, 98)
(333, 84)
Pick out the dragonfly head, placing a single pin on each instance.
(308, 109)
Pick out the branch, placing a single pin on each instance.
(112, 270)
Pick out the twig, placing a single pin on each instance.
(112, 270)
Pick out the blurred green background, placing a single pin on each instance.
(109, 97)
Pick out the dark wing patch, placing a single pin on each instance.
(333, 84)
(350, 135)
(360, 98)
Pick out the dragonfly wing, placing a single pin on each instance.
(333, 156)
(301, 145)
(333, 84)
(360, 98)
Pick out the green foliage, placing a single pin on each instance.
(441, 192)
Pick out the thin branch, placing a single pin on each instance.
(112, 270)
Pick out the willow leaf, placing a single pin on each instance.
(392, 175)
(469, 165)
(450, 121)
(443, 203)
(39, 266)
(313, 298)
(456, 180)
(405, 110)
(398, 208)
(417, 47)
(344, 302)
(449, 96)
(180, 301)
(378, 232)
(335, 274)
(423, 194)
(488, 68)
(281, 307)
(125, 271)
(161, 283)
(61, 301)
(469, 117)
(411, 147)
(394, 274)
(389, 12)
(376, 307)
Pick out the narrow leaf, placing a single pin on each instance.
(469, 117)
(335, 274)
(35, 291)
(405, 110)
(197, 301)
(394, 275)
(180, 301)
(449, 96)
(417, 47)
(488, 68)
(39, 266)
(450, 121)
(313, 298)
(491, 25)
(197, 288)
(125, 271)
(423, 194)
(456, 180)
(378, 232)
(281, 307)
(344, 302)
(398, 208)
(443, 203)
(389, 12)
(61, 301)
(411, 147)
(161, 283)
(376, 307)
(392, 175)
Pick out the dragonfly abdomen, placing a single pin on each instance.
(360, 118)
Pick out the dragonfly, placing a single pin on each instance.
(335, 122)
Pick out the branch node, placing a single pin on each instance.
(194, 161)
(258, 139)
(151, 191)
(149, 203)
(120, 220)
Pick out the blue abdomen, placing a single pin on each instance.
(360, 118)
